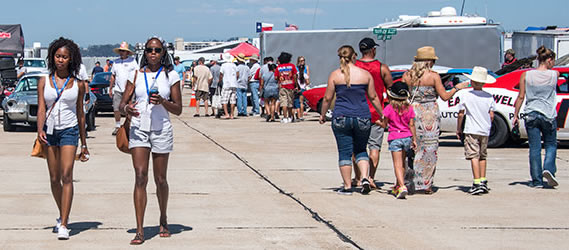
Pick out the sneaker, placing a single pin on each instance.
(115, 131)
(475, 189)
(62, 233)
(484, 187)
(366, 188)
(551, 181)
(57, 225)
(402, 192)
(344, 191)
(485, 183)
(276, 115)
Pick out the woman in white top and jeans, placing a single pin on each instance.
(156, 89)
(539, 87)
(60, 101)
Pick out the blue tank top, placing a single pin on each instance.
(351, 102)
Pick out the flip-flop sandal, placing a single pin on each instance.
(165, 233)
(138, 239)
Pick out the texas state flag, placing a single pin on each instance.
(264, 27)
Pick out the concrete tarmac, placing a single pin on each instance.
(248, 184)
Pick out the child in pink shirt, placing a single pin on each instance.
(399, 116)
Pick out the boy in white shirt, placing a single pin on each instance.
(478, 106)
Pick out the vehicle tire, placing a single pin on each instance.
(8, 127)
(499, 132)
(90, 121)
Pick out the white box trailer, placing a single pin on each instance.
(525, 43)
(456, 47)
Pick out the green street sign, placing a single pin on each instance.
(384, 34)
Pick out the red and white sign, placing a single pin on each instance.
(5, 35)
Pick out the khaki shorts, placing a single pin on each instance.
(286, 97)
(202, 95)
(375, 137)
(117, 96)
(475, 146)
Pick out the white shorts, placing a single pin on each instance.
(160, 142)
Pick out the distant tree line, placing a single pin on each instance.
(104, 50)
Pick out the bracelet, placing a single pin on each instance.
(125, 106)
(456, 89)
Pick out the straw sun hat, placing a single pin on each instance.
(426, 53)
(123, 47)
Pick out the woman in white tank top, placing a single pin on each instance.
(539, 88)
(61, 121)
(157, 94)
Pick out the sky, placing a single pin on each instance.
(113, 21)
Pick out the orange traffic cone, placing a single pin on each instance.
(193, 100)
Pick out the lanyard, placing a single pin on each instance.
(153, 83)
(58, 91)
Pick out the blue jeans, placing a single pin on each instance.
(255, 96)
(242, 101)
(351, 135)
(537, 125)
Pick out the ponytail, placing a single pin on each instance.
(346, 54)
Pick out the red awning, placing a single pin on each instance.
(244, 48)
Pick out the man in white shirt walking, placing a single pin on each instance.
(121, 71)
(228, 75)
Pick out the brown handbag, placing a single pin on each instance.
(123, 133)
(122, 136)
(40, 150)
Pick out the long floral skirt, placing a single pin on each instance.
(427, 120)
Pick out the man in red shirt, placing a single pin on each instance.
(286, 75)
(382, 80)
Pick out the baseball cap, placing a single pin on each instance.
(367, 43)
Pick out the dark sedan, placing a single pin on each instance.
(100, 87)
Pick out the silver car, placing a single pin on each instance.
(21, 107)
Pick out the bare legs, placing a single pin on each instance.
(478, 168)
(60, 164)
(399, 167)
(140, 159)
(229, 114)
(346, 172)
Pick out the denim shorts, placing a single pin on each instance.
(401, 144)
(352, 134)
(63, 137)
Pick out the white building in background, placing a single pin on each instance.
(208, 50)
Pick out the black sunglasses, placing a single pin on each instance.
(150, 50)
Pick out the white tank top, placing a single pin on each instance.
(64, 114)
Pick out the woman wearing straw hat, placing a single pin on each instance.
(426, 86)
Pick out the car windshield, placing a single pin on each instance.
(102, 78)
(34, 63)
(28, 84)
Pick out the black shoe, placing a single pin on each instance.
(343, 191)
(268, 118)
(475, 189)
(366, 188)
(551, 181)
(484, 185)
(197, 115)
(277, 116)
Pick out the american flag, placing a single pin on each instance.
(290, 26)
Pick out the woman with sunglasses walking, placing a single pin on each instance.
(61, 122)
(156, 89)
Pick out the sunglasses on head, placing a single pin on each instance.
(150, 50)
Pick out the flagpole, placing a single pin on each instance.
(315, 10)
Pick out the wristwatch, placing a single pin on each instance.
(83, 146)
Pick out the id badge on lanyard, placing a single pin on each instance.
(145, 113)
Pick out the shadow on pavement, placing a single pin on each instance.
(151, 232)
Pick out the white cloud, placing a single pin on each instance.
(273, 10)
(235, 11)
(308, 11)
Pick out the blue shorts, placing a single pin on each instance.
(271, 93)
(297, 99)
(401, 144)
(63, 137)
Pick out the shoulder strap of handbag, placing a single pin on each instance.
(56, 99)
(133, 91)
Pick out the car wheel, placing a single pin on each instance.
(91, 121)
(498, 133)
(8, 124)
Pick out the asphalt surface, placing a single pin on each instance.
(248, 184)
